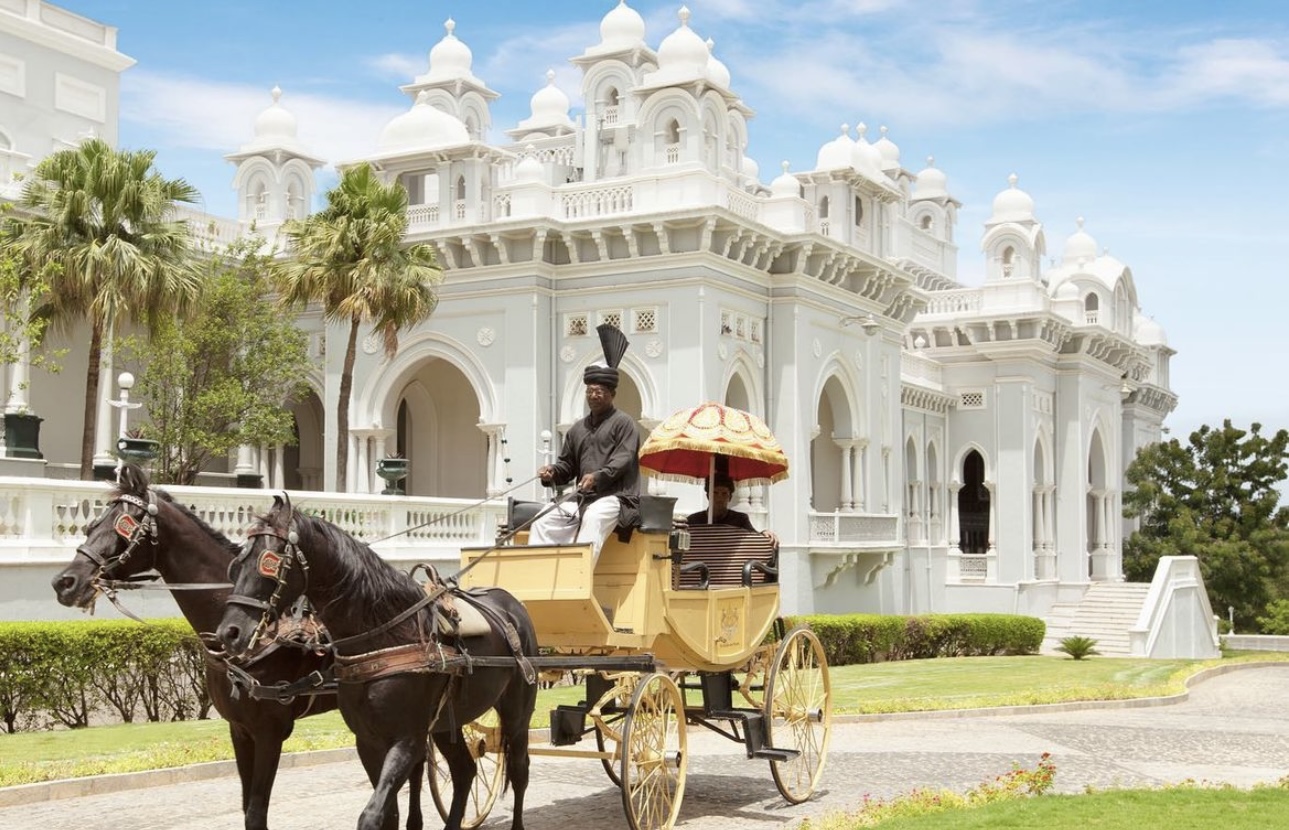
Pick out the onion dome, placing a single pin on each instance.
(450, 58)
(931, 183)
(529, 169)
(275, 126)
(1012, 204)
(550, 106)
(717, 72)
(683, 52)
(889, 151)
(836, 153)
(622, 28)
(866, 158)
(1147, 332)
(1080, 248)
(785, 185)
(423, 127)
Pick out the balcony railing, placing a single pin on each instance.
(855, 529)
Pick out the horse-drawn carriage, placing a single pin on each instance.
(673, 627)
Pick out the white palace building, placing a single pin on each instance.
(954, 447)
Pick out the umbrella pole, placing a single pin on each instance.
(711, 483)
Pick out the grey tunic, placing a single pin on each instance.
(608, 446)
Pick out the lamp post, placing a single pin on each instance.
(124, 383)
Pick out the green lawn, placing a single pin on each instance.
(914, 685)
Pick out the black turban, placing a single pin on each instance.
(603, 375)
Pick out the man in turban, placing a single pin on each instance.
(600, 456)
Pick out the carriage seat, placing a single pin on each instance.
(721, 556)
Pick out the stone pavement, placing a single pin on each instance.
(1233, 727)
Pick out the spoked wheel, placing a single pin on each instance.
(483, 738)
(654, 754)
(609, 744)
(798, 713)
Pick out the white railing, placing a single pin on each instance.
(44, 514)
(599, 201)
(610, 116)
(422, 215)
(741, 204)
(921, 370)
(673, 153)
(863, 529)
(1090, 317)
(953, 302)
(207, 228)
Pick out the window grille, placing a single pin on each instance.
(646, 320)
(612, 318)
(575, 325)
(972, 400)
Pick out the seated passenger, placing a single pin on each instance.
(719, 496)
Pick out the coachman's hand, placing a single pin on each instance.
(587, 483)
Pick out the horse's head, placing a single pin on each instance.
(119, 544)
(268, 576)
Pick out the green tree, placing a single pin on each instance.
(22, 333)
(1216, 498)
(224, 377)
(101, 223)
(350, 258)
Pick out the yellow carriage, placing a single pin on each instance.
(677, 625)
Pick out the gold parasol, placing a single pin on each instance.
(692, 444)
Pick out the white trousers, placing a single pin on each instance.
(560, 525)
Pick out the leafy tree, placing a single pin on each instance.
(100, 223)
(1216, 498)
(225, 376)
(350, 258)
(21, 333)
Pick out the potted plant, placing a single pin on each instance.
(393, 469)
(134, 447)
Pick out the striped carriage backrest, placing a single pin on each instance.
(726, 550)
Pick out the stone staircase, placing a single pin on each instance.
(1105, 613)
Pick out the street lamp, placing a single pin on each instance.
(124, 382)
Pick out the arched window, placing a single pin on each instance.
(823, 207)
(973, 506)
(611, 97)
(460, 188)
(1091, 308)
(859, 210)
(673, 131)
(925, 223)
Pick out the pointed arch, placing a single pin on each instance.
(374, 403)
(744, 371)
(572, 400)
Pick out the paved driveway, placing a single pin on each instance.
(1233, 728)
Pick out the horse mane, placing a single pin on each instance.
(232, 547)
(133, 481)
(373, 590)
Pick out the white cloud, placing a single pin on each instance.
(397, 67)
(210, 115)
(1254, 70)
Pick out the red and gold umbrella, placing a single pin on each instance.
(687, 445)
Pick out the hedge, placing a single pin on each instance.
(874, 638)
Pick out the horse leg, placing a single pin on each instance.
(461, 765)
(517, 759)
(414, 819)
(387, 768)
(244, 753)
(268, 754)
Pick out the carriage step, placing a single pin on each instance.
(771, 753)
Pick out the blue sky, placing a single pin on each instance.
(1164, 124)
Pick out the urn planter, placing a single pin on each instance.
(393, 471)
(22, 435)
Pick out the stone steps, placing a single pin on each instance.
(1105, 613)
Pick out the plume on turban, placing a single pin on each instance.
(615, 344)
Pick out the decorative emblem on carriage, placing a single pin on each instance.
(567, 354)
(486, 336)
(654, 347)
(731, 618)
(270, 564)
(371, 343)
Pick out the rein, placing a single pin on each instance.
(447, 516)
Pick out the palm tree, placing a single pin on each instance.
(101, 224)
(350, 258)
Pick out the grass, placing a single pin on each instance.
(917, 685)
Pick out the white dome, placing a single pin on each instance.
(550, 105)
(836, 153)
(889, 151)
(717, 72)
(450, 58)
(529, 168)
(1068, 290)
(866, 158)
(275, 125)
(751, 170)
(1080, 247)
(682, 51)
(785, 185)
(1012, 204)
(1147, 332)
(931, 183)
(423, 127)
(622, 28)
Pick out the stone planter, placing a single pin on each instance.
(22, 435)
(137, 450)
(393, 471)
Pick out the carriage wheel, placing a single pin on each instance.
(654, 757)
(609, 744)
(483, 737)
(798, 713)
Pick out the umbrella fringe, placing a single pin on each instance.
(681, 478)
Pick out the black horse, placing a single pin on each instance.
(144, 529)
(400, 676)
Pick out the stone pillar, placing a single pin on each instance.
(496, 458)
(847, 446)
(955, 535)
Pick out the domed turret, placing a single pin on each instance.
(785, 185)
(1012, 204)
(717, 72)
(622, 28)
(450, 58)
(683, 52)
(423, 127)
(865, 158)
(751, 171)
(1080, 248)
(550, 107)
(836, 153)
(275, 125)
(931, 183)
(890, 153)
(1147, 332)
(529, 169)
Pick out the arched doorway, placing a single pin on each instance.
(437, 430)
(973, 506)
(302, 461)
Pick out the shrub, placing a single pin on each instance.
(1277, 619)
(1078, 647)
(875, 638)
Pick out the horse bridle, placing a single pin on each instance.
(132, 530)
(275, 566)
